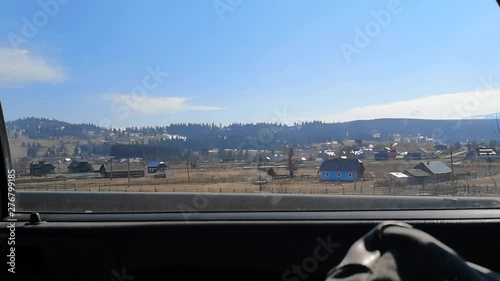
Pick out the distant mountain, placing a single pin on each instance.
(266, 135)
(486, 116)
(447, 131)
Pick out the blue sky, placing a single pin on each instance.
(133, 63)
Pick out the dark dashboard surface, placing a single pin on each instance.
(226, 246)
(144, 202)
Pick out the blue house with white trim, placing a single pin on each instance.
(341, 170)
(156, 167)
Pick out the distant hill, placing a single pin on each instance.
(43, 128)
(447, 131)
(264, 135)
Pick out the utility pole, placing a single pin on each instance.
(260, 177)
(128, 168)
(111, 170)
(187, 166)
(489, 166)
(451, 159)
(290, 162)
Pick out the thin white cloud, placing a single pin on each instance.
(463, 105)
(156, 105)
(19, 67)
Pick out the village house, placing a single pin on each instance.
(341, 170)
(413, 156)
(156, 167)
(424, 152)
(485, 154)
(121, 169)
(429, 171)
(96, 168)
(417, 176)
(398, 178)
(79, 166)
(42, 168)
(61, 164)
(84, 166)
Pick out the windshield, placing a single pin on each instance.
(322, 98)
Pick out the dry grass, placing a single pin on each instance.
(235, 177)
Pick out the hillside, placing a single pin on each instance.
(43, 128)
(445, 130)
(59, 138)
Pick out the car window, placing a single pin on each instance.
(331, 98)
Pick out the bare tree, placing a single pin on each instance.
(291, 164)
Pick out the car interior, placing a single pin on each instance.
(204, 236)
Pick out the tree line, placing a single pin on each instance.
(203, 136)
